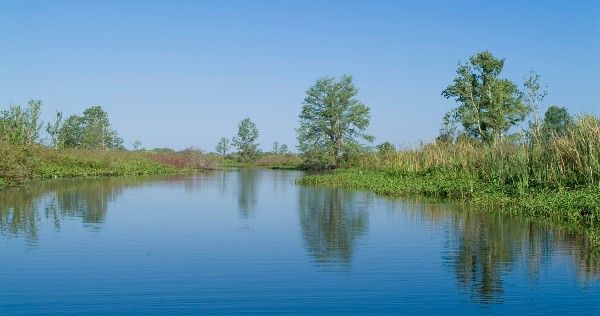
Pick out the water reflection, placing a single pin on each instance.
(85, 199)
(482, 247)
(331, 221)
(247, 185)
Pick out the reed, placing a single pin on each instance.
(542, 161)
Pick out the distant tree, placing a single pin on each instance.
(385, 148)
(21, 126)
(70, 133)
(533, 99)
(489, 106)
(332, 122)
(54, 129)
(245, 141)
(557, 121)
(386, 151)
(448, 134)
(137, 146)
(283, 149)
(33, 125)
(275, 149)
(90, 131)
(223, 146)
(162, 150)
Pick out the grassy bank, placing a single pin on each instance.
(268, 161)
(551, 177)
(19, 164)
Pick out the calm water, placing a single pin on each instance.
(245, 241)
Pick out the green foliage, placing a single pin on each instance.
(223, 146)
(279, 149)
(20, 163)
(332, 122)
(90, 131)
(137, 146)
(54, 129)
(20, 126)
(489, 106)
(557, 121)
(533, 98)
(245, 141)
(556, 178)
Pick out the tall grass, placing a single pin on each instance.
(21, 163)
(543, 161)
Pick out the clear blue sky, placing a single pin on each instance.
(184, 73)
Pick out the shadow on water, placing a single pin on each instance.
(332, 220)
(482, 247)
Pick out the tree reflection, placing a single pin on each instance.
(247, 191)
(86, 199)
(18, 212)
(483, 246)
(331, 221)
(486, 245)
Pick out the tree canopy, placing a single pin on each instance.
(488, 105)
(245, 141)
(90, 131)
(332, 122)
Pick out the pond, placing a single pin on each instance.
(245, 241)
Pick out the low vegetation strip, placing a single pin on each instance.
(22, 163)
(574, 207)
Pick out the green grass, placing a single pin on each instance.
(19, 164)
(547, 177)
(579, 208)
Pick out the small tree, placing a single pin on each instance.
(137, 146)
(283, 149)
(275, 150)
(489, 106)
(245, 141)
(557, 121)
(332, 122)
(223, 146)
(533, 98)
(21, 126)
(54, 129)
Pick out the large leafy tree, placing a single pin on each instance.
(489, 106)
(332, 122)
(21, 126)
(90, 131)
(245, 141)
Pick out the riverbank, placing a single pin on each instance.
(578, 208)
(19, 164)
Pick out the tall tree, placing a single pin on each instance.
(489, 106)
(245, 141)
(223, 146)
(332, 122)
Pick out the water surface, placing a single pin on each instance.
(253, 242)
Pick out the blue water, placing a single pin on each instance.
(253, 242)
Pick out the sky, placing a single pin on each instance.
(184, 73)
